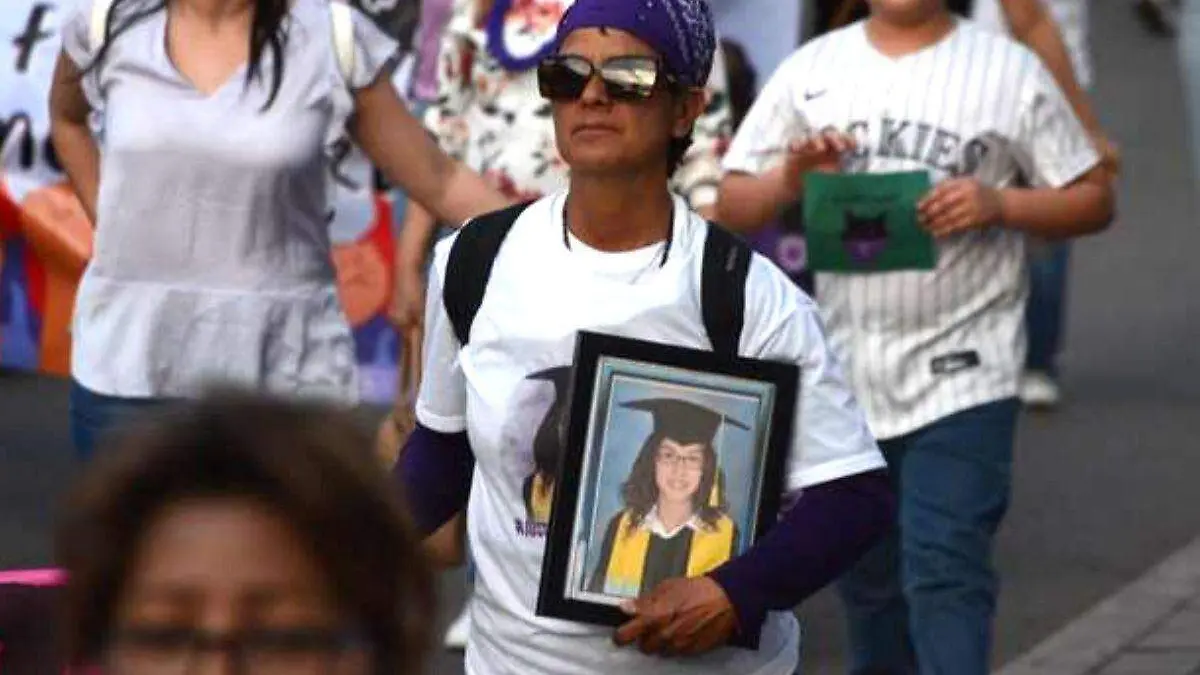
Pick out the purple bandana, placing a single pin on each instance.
(681, 31)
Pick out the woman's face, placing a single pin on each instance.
(677, 470)
(596, 134)
(220, 571)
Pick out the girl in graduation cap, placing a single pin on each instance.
(675, 522)
(617, 252)
(538, 489)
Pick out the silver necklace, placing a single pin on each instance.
(666, 243)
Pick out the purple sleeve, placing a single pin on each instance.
(434, 471)
(830, 527)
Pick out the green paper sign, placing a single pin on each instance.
(866, 222)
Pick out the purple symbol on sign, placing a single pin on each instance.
(865, 237)
(791, 253)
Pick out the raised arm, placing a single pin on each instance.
(749, 201)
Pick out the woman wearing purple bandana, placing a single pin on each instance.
(485, 112)
(617, 252)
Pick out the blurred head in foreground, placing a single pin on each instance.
(243, 535)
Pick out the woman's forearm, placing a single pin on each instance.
(467, 195)
(80, 158)
(398, 145)
(1083, 207)
(443, 185)
(434, 472)
(830, 527)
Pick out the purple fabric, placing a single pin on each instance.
(787, 249)
(681, 31)
(435, 470)
(828, 529)
(435, 14)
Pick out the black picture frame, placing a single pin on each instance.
(602, 364)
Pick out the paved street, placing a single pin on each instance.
(1150, 627)
(1105, 488)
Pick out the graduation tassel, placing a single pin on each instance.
(714, 497)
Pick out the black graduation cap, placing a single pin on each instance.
(548, 440)
(683, 421)
(559, 375)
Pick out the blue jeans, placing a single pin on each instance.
(927, 594)
(95, 415)
(1044, 311)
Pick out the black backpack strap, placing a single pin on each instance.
(723, 288)
(469, 266)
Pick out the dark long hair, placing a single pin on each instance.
(268, 30)
(678, 146)
(640, 491)
(311, 464)
(677, 152)
(743, 80)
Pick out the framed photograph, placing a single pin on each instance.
(673, 464)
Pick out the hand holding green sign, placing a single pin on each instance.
(866, 222)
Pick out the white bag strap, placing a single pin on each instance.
(99, 23)
(343, 37)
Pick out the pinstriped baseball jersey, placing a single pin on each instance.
(921, 345)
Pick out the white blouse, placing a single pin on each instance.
(212, 255)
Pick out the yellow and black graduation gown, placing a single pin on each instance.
(538, 491)
(633, 562)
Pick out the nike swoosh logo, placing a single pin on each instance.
(810, 95)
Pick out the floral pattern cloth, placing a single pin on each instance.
(495, 121)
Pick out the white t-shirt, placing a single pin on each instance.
(213, 255)
(1072, 19)
(539, 295)
(923, 345)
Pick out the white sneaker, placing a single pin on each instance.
(1039, 390)
(456, 633)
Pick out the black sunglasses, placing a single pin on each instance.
(625, 78)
